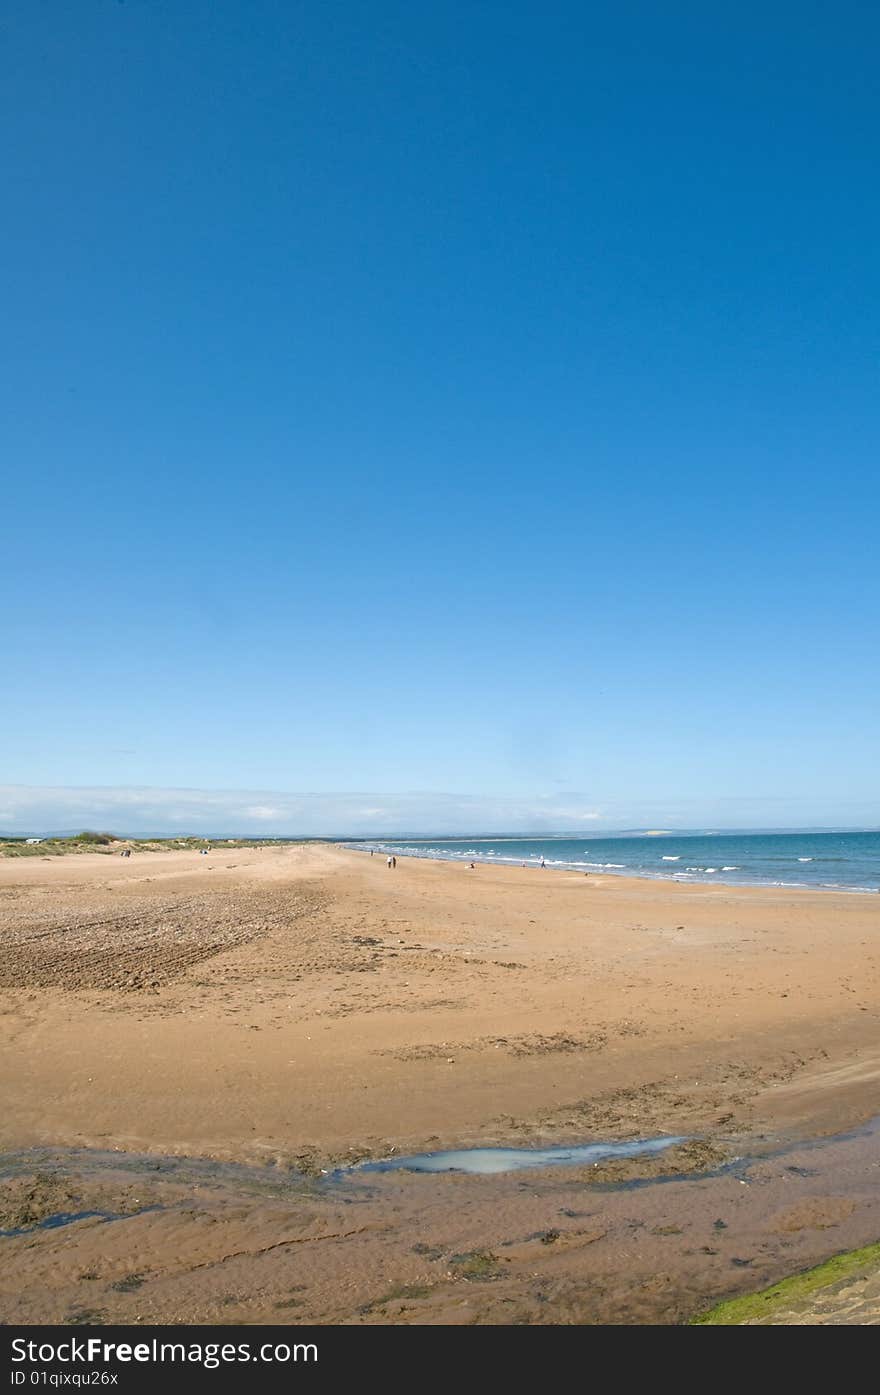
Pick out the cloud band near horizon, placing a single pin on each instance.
(26, 809)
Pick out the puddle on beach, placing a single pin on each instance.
(483, 1161)
(55, 1221)
(61, 1218)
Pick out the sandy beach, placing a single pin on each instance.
(304, 1007)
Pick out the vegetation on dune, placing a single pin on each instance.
(17, 847)
(112, 844)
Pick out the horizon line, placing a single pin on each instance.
(414, 835)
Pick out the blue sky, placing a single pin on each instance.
(474, 405)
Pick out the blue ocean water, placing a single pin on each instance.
(834, 861)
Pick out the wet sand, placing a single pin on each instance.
(180, 1241)
(304, 1006)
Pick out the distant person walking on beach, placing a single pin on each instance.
(388, 863)
(394, 862)
(543, 863)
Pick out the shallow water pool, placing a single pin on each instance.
(489, 1160)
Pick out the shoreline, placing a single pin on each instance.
(574, 868)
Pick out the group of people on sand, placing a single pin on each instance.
(390, 861)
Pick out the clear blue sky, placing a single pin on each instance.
(465, 398)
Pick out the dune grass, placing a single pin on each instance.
(110, 843)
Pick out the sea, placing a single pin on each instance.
(833, 861)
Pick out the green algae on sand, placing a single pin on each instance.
(762, 1307)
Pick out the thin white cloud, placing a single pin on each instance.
(141, 809)
(132, 810)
